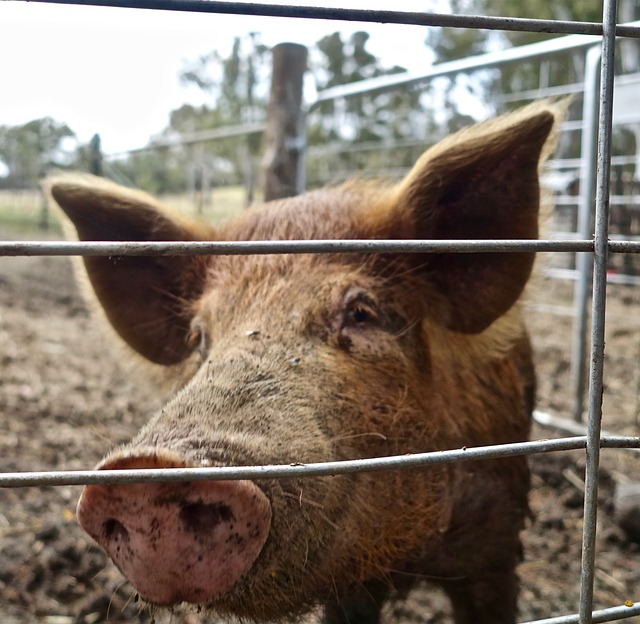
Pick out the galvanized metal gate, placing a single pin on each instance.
(600, 39)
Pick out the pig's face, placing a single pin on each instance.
(304, 358)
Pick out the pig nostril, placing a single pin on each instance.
(114, 530)
(176, 542)
(198, 517)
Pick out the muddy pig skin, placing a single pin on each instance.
(306, 358)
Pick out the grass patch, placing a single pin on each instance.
(221, 204)
(24, 214)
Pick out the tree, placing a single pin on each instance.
(565, 67)
(451, 44)
(368, 117)
(488, 87)
(237, 86)
(158, 171)
(359, 125)
(162, 170)
(27, 151)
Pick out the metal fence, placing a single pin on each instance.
(600, 38)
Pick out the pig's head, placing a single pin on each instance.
(305, 358)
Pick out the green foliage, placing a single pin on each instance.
(188, 119)
(158, 171)
(487, 87)
(456, 43)
(236, 84)
(237, 87)
(564, 68)
(27, 151)
(583, 11)
(368, 117)
(355, 128)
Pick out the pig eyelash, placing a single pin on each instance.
(197, 338)
(360, 311)
(359, 314)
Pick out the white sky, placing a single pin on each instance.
(115, 71)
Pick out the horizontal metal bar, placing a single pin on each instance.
(190, 138)
(572, 427)
(619, 246)
(360, 15)
(542, 92)
(612, 278)
(468, 64)
(85, 477)
(179, 248)
(602, 615)
(337, 147)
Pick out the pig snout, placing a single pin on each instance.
(176, 542)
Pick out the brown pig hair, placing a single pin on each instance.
(376, 210)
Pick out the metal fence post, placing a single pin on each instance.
(584, 261)
(598, 307)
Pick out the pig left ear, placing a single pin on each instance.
(146, 299)
(481, 183)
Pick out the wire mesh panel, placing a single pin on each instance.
(592, 240)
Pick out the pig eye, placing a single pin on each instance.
(197, 338)
(360, 313)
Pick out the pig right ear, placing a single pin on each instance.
(481, 183)
(146, 299)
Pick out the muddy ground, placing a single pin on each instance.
(65, 400)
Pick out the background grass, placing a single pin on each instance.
(25, 214)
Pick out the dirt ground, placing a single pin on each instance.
(65, 400)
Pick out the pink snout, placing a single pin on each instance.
(176, 542)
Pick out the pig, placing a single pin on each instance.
(288, 358)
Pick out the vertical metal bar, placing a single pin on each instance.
(301, 178)
(598, 311)
(584, 261)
